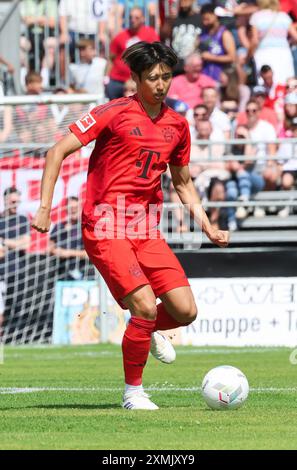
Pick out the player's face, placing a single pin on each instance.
(155, 83)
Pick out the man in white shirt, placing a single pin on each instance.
(264, 135)
(205, 159)
(88, 75)
(218, 118)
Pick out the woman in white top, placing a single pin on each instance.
(269, 39)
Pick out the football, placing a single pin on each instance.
(225, 387)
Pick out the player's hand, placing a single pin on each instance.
(42, 220)
(220, 237)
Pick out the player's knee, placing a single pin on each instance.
(147, 310)
(192, 313)
(188, 313)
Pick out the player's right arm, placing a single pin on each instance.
(53, 162)
(83, 131)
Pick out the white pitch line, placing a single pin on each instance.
(15, 390)
(96, 354)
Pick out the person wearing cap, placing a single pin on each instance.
(178, 106)
(259, 94)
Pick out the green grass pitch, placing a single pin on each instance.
(70, 398)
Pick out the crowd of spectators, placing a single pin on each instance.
(236, 79)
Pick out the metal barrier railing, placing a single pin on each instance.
(45, 41)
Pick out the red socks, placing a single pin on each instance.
(165, 321)
(137, 341)
(136, 347)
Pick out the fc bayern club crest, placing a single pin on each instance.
(135, 270)
(168, 134)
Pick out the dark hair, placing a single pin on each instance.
(84, 43)
(144, 55)
(231, 90)
(208, 8)
(11, 190)
(72, 198)
(202, 106)
(265, 69)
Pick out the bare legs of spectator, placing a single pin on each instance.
(287, 184)
(217, 194)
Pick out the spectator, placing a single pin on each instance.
(232, 89)
(14, 241)
(290, 111)
(178, 106)
(232, 14)
(287, 153)
(231, 108)
(87, 76)
(186, 28)
(147, 6)
(269, 43)
(188, 86)
(28, 117)
(245, 180)
(291, 85)
(40, 17)
(66, 243)
(200, 113)
(216, 44)
(275, 91)
(259, 94)
(202, 168)
(264, 135)
(118, 71)
(78, 20)
(218, 118)
(129, 87)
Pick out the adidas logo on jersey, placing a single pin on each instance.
(136, 131)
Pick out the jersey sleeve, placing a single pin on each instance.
(181, 154)
(90, 126)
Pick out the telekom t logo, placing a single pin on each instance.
(147, 161)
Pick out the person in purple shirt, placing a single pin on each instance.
(216, 45)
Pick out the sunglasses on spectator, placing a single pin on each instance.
(230, 110)
(200, 114)
(252, 110)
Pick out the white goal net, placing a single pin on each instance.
(31, 263)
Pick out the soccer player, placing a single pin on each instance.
(136, 138)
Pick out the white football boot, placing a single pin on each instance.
(138, 400)
(162, 349)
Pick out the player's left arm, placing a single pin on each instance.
(188, 195)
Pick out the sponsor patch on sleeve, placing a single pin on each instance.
(85, 123)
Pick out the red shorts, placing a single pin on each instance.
(131, 263)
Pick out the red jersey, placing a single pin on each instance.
(120, 71)
(131, 152)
